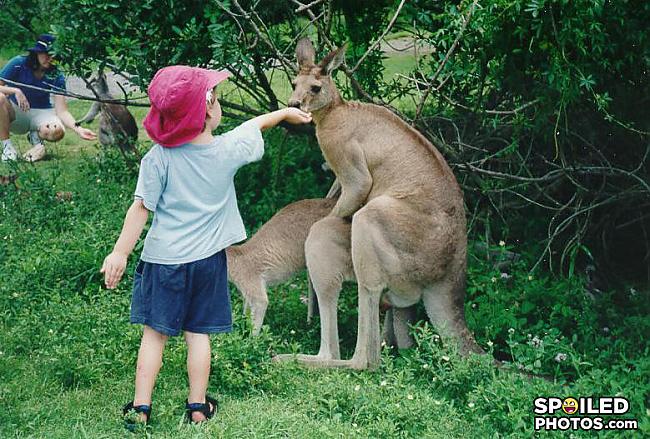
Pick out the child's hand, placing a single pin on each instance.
(113, 269)
(296, 115)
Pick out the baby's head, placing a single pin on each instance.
(51, 131)
(183, 104)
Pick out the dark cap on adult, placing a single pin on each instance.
(178, 103)
(43, 44)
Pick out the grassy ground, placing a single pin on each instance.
(67, 351)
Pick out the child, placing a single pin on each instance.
(186, 179)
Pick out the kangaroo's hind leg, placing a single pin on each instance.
(444, 302)
(327, 254)
(255, 299)
(396, 327)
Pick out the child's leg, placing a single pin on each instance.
(149, 362)
(198, 368)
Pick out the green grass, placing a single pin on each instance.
(67, 351)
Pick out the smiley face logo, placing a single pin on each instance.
(570, 406)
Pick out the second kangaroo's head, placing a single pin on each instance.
(313, 88)
(99, 84)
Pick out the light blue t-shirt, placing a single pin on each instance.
(191, 191)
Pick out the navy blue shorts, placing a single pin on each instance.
(191, 297)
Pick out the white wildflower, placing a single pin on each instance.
(494, 279)
(471, 405)
(502, 243)
(409, 397)
(445, 358)
(383, 383)
(357, 388)
(490, 344)
(560, 357)
(511, 331)
(505, 276)
(292, 332)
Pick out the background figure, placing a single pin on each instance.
(24, 110)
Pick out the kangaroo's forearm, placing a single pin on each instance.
(92, 113)
(349, 165)
(353, 196)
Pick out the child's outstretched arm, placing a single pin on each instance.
(290, 114)
(115, 263)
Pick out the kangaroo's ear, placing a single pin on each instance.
(305, 53)
(333, 60)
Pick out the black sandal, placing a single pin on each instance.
(203, 408)
(132, 413)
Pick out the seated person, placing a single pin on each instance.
(25, 110)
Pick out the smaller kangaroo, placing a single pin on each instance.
(117, 126)
(277, 252)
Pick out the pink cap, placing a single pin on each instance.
(178, 103)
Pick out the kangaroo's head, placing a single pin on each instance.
(99, 84)
(313, 88)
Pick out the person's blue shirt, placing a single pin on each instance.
(191, 191)
(18, 70)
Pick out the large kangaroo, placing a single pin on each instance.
(117, 127)
(277, 252)
(408, 236)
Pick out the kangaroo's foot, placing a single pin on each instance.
(321, 361)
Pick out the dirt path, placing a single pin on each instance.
(75, 84)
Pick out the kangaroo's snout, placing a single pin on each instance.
(294, 103)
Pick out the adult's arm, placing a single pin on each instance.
(61, 108)
(23, 103)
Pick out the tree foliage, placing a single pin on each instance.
(541, 106)
(21, 22)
